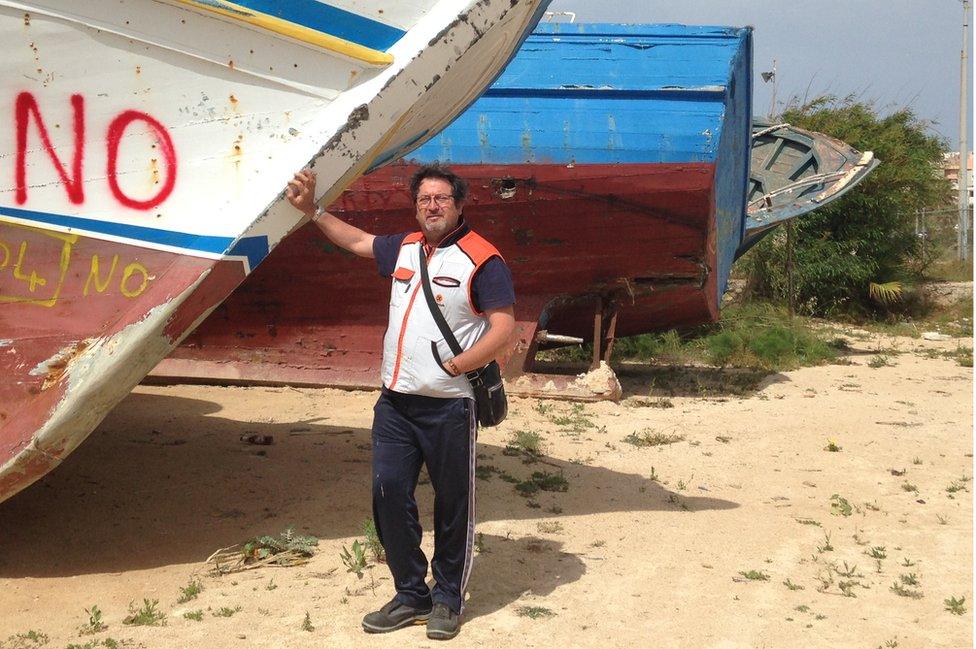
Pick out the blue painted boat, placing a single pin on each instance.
(608, 163)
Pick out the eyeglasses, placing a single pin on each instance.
(440, 199)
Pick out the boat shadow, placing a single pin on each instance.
(165, 480)
(643, 379)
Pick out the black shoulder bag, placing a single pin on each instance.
(489, 392)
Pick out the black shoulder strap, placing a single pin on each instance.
(434, 309)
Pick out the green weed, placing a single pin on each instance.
(901, 591)
(647, 437)
(549, 527)
(355, 560)
(848, 571)
(881, 360)
(525, 443)
(287, 548)
(877, 552)
(542, 481)
(826, 546)
(226, 611)
(307, 623)
(95, 623)
(847, 587)
(148, 615)
(196, 616)
(911, 579)
(955, 487)
(755, 575)
(28, 640)
(576, 420)
(789, 584)
(190, 591)
(534, 612)
(839, 506)
(373, 541)
(955, 606)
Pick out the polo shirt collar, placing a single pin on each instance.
(453, 236)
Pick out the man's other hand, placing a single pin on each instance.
(301, 192)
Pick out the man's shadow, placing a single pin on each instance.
(507, 568)
(165, 480)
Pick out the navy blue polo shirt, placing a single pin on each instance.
(491, 286)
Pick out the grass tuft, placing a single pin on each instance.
(755, 575)
(955, 606)
(226, 611)
(542, 481)
(525, 443)
(646, 437)
(94, 624)
(901, 591)
(534, 612)
(148, 615)
(190, 591)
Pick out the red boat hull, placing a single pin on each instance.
(63, 295)
(637, 240)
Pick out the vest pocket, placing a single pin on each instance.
(437, 358)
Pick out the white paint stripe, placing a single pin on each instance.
(469, 543)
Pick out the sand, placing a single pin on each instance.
(647, 547)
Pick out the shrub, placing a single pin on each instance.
(868, 236)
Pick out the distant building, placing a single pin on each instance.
(950, 167)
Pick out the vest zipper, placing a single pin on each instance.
(403, 329)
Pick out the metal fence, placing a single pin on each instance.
(938, 232)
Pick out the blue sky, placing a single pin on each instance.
(893, 52)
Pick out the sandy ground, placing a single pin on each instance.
(646, 548)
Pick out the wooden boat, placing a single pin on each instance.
(149, 144)
(609, 164)
(795, 171)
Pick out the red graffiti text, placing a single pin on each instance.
(26, 109)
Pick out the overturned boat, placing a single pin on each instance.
(149, 143)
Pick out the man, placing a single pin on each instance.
(425, 412)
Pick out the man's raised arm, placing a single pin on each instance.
(301, 194)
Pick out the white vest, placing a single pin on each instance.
(412, 336)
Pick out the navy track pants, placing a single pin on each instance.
(408, 431)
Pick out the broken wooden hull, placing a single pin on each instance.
(608, 163)
(795, 171)
(149, 172)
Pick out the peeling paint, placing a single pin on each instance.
(89, 377)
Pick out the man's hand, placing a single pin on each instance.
(501, 328)
(301, 192)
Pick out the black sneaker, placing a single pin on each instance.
(394, 615)
(444, 623)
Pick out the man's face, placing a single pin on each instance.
(437, 211)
